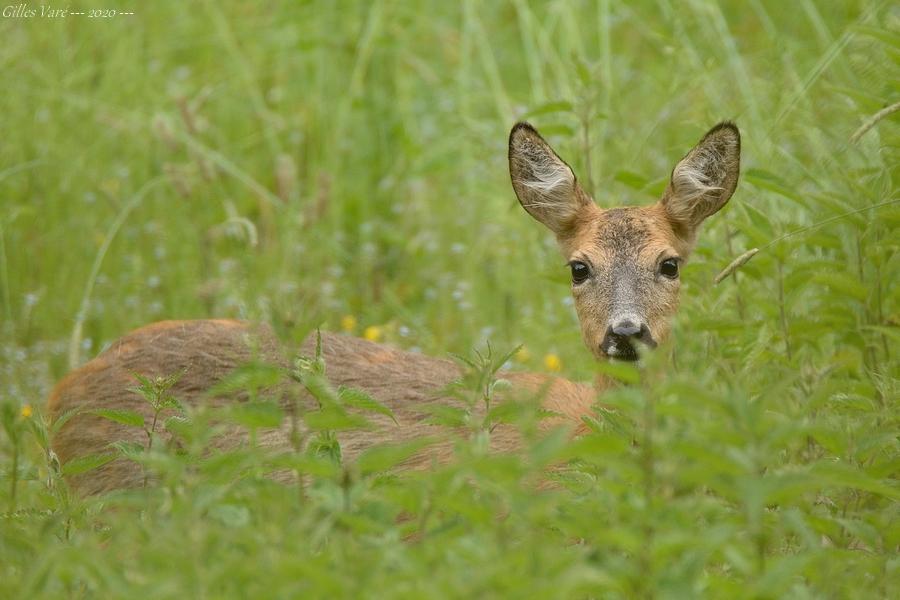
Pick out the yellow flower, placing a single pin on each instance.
(348, 323)
(373, 333)
(26, 410)
(552, 362)
(523, 355)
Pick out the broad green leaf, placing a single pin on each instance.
(326, 445)
(620, 371)
(83, 464)
(769, 181)
(309, 464)
(129, 450)
(598, 445)
(359, 524)
(449, 416)
(253, 415)
(321, 389)
(550, 446)
(178, 425)
(844, 475)
(40, 433)
(63, 419)
(357, 398)
(385, 456)
(334, 418)
(632, 179)
(250, 377)
(230, 515)
(145, 381)
(842, 283)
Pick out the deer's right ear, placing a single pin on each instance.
(544, 183)
(703, 181)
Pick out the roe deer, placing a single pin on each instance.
(624, 263)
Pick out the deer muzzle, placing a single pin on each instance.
(621, 335)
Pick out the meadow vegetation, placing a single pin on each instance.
(343, 165)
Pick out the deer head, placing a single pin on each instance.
(625, 262)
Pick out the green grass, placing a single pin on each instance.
(300, 162)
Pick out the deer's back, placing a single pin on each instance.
(208, 350)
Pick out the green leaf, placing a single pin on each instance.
(844, 475)
(631, 179)
(326, 445)
(230, 515)
(584, 71)
(123, 416)
(887, 35)
(598, 446)
(131, 450)
(620, 371)
(449, 416)
(613, 421)
(512, 411)
(358, 524)
(319, 352)
(145, 381)
(89, 462)
(760, 226)
(504, 358)
(769, 181)
(549, 446)
(321, 389)
(465, 360)
(359, 399)
(9, 414)
(842, 283)
(178, 425)
(63, 419)
(334, 418)
(250, 377)
(254, 415)
(891, 332)
(309, 464)
(383, 457)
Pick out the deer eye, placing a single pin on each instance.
(669, 268)
(580, 271)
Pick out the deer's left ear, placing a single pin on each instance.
(704, 180)
(544, 183)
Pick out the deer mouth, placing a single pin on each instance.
(620, 347)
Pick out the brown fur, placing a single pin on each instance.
(624, 248)
(208, 350)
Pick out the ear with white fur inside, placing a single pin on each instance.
(544, 183)
(704, 180)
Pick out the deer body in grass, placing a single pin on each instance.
(625, 265)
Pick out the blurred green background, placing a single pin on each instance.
(344, 164)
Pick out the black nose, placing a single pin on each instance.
(619, 338)
(627, 329)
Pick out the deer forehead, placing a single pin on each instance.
(636, 234)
